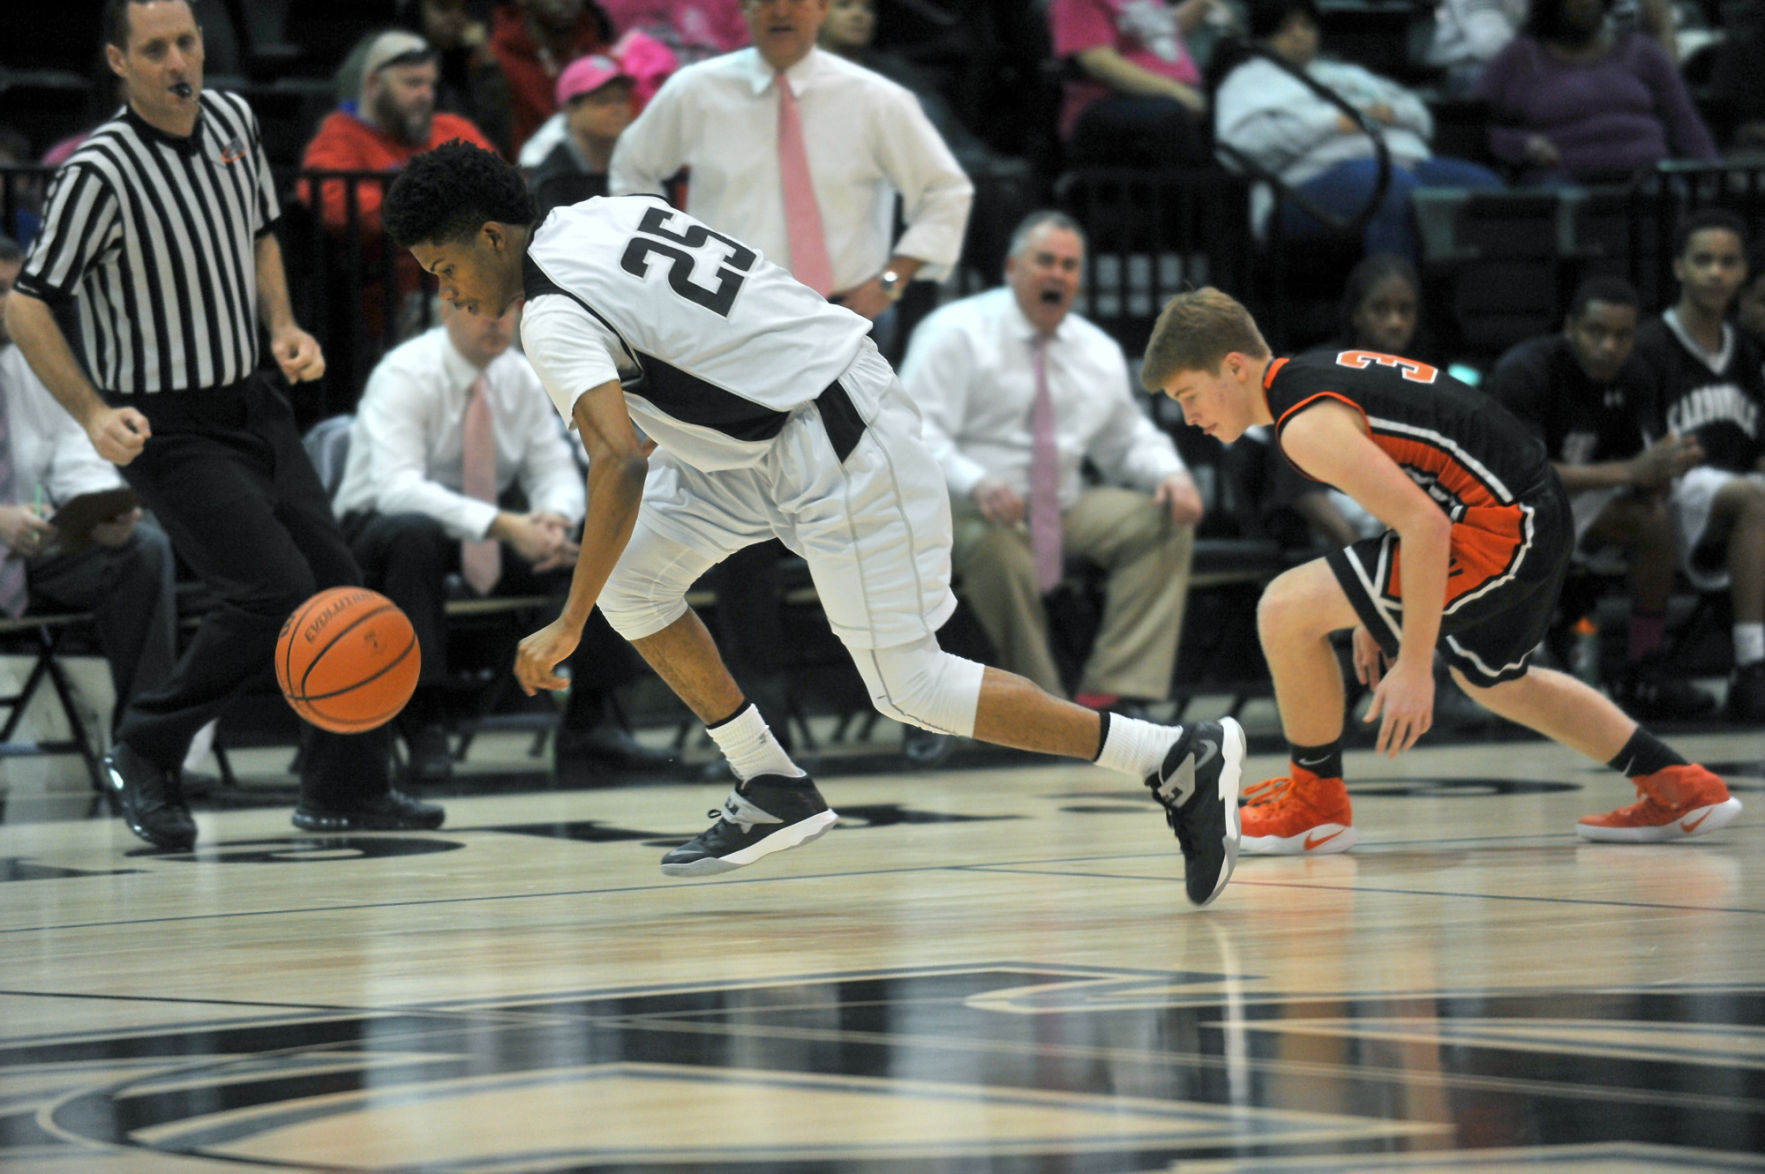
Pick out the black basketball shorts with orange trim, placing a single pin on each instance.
(1506, 570)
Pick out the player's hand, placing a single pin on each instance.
(119, 434)
(23, 531)
(539, 655)
(1178, 494)
(997, 502)
(1369, 658)
(116, 531)
(298, 354)
(1405, 702)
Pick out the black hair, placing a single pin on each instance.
(1265, 17)
(1706, 218)
(1373, 269)
(449, 193)
(10, 253)
(1604, 287)
(116, 21)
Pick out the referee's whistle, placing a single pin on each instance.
(183, 89)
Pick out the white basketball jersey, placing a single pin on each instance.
(714, 345)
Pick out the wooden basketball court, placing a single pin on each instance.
(984, 969)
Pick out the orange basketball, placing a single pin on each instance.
(347, 660)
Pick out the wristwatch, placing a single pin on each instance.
(891, 285)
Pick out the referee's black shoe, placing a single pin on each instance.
(149, 800)
(1198, 788)
(392, 812)
(766, 814)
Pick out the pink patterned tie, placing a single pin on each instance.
(1044, 478)
(802, 215)
(13, 593)
(481, 562)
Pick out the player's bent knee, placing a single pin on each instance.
(922, 685)
(635, 615)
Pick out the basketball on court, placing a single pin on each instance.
(347, 660)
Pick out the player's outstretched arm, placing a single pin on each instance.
(618, 463)
(1327, 440)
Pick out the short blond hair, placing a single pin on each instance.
(1195, 331)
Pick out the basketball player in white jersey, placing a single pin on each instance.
(771, 414)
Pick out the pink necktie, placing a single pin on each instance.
(13, 592)
(802, 215)
(1044, 478)
(481, 562)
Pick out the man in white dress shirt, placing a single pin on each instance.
(866, 139)
(972, 368)
(125, 578)
(410, 518)
(772, 416)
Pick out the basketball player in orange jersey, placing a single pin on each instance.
(1479, 541)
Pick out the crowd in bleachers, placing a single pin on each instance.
(1479, 160)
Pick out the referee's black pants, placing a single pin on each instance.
(227, 478)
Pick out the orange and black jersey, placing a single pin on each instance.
(1462, 448)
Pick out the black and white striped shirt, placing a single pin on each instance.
(156, 236)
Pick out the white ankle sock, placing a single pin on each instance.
(747, 742)
(1136, 747)
(1749, 643)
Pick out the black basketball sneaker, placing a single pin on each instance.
(766, 814)
(1198, 788)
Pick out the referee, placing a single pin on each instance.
(160, 228)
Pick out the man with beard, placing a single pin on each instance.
(394, 118)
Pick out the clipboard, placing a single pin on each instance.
(75, 519)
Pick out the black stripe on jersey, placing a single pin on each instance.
(680, 394)
(692, 400)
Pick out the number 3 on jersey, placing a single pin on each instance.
(684, 250)
(1410, 369)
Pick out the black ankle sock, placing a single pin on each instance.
(1645, 754)
(1324, 761)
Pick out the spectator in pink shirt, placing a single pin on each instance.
(1135, 95)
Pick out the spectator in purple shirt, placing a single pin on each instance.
(1570, 101)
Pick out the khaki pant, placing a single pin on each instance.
(1147, 558)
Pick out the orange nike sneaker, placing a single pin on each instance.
(1300, 815)
(1673, 804)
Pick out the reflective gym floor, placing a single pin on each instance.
(986, 968)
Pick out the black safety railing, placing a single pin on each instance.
(355, 292)
(1152, 234)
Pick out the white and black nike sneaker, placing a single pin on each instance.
(766, 814)
(1198, 788)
